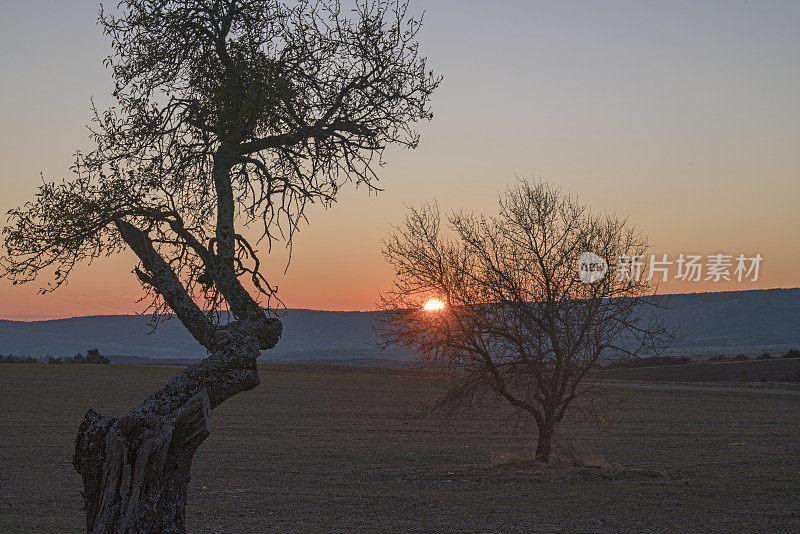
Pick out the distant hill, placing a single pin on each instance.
(712, 323)
(305, 332)
(736, 321)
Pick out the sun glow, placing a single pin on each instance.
(433, 305)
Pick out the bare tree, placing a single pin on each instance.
(519, 323)
(229, 114)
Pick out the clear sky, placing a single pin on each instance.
(684, 116)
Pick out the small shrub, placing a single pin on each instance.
(765, 356)
(78, 358)
(17, 359)
(92, 356)
(742, 374)
(794, 353)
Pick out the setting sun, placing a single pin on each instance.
(433, 305)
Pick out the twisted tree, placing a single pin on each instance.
(520, 322)
(228, 114)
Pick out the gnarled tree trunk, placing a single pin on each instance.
(135, 469)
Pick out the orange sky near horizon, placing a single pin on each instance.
(684, 117)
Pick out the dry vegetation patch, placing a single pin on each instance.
(567, 463)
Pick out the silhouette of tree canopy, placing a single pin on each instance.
(227, 114)
(519, 323)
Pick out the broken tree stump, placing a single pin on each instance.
(136, 468)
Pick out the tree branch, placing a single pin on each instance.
(167, 284)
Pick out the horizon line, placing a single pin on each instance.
(41, 317)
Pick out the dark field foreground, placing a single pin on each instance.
(325, 448)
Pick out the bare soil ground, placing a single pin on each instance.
(329, 448)
(785, 370)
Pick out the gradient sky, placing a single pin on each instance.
(684, 116)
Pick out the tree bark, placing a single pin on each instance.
(544, 443)
(135, 469)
